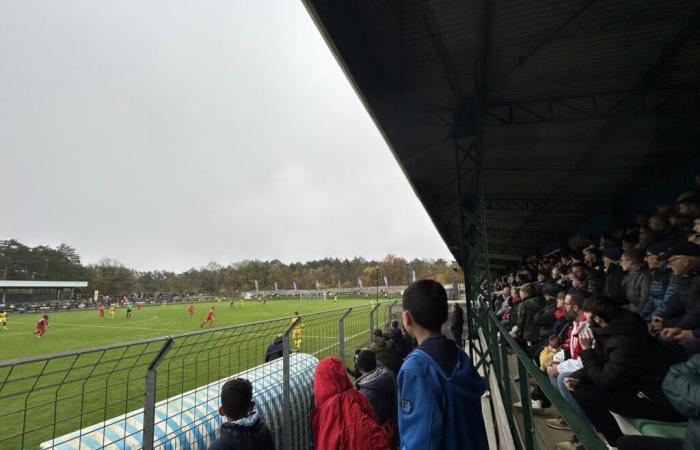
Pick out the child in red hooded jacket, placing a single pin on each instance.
(342, 418)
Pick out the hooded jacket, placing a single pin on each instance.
(342, 418)
(527, 327)
(682, 388)
(380, 388)
(275, 350)
(625, 358)
(248, 433)
(440, 399)
(635, 285)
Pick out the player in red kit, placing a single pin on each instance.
(209, 319)
(102, 311)
(41, 326)
(190, 310)
(138, 306)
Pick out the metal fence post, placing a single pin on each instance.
(149, 402)
(372, 321)
(287, 389)
(341, 335)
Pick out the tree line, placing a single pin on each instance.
(110, 277)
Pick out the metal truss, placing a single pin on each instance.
(538, 205)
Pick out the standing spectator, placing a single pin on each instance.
(457, 324)
(635, 283)
(395, 333)
(387, 354)
(527, 330)
(342, 418)
(275, 350)
(378, 384)
(439, 389)
(623, 373)
(243, 429)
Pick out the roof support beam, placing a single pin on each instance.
(538, 205)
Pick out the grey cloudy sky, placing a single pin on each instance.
(167, 134)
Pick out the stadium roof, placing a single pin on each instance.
(32, 284)
(574, 104)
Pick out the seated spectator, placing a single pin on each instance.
(548, 352)
(545, 318)
(613, 274)
(387, 353)
(243, 429)
(636, 281)
(586, 279)
(681, 318)
(658, 224)
(342, 418)
(623, 373)
(591, 257)
(275, 350)
(682, 389)
(378, 384)
(501, 299)
(439, 389)
(663, 282)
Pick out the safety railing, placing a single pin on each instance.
(46, 397)
(496, 343)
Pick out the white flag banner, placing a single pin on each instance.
(413, 275)
(318, 286)
(386, 281)
(294, 285)
(359, 282)
(256, 286)
(276, 286)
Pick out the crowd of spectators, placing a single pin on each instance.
(615, 324)
(414, 389)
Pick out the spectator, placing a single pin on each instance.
(613, 274)
(545, 318)
(387, 354)
(395, 333)
(661, 280)
(658, 224)
(681, 317)
(244, 428)
(636, 281)
(439, 389)
(342, 418)
(548, 352)
(457, 324)
(378, 384)
(591, 257)
(623, 373)
(275, 350)
(501, 299)
(586, 279)
(407, 343)
(526, 328)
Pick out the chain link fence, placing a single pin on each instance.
(164, 392)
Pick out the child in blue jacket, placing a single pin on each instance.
(439, 389)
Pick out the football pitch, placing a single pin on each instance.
(51, 397)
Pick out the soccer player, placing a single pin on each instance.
(41, 326)
(232, 304)
(209, 319)
(297, 331)
(128, 310)
(102, 312)
(112, 311)
(190, 310)
(3, 319)
(138, 306)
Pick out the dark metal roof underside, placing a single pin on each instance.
(583, 101)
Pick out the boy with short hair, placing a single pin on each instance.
(439, 389)
(244, 428)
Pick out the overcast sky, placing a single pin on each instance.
(167, 134)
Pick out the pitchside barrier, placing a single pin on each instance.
(163, 391)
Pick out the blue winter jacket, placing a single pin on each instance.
(439, 410)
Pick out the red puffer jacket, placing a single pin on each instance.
(342, 417)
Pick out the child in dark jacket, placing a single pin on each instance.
(439, 389)
(244, 429)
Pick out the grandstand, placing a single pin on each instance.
(521, 125)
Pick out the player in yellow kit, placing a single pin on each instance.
(297, 331)
(3, 319)
(112, 311)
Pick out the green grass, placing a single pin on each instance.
(49, 398)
